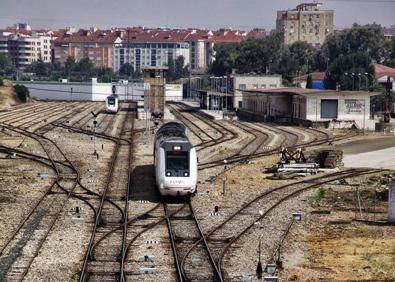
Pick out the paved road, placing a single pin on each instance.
(384, 158)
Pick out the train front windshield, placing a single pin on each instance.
(177, 161)
(111, 101)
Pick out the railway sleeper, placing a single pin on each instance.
(182, 217)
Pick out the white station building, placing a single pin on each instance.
(342, 108)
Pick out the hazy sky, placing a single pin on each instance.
(242, 14)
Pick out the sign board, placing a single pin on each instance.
(173, 87)
(354, 106)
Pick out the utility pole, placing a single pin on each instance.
(388, 87)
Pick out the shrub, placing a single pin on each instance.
(1, 81)
(22, 92)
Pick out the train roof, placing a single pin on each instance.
(113, 95)
(171, 129)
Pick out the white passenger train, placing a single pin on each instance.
(175, 161)
(112, 103)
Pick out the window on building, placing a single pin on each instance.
(242, 87)
(329, 109)
(273, 85)
(263, 86)
(255, 86)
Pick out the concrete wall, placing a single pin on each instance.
(253, 82)
(82, 91)
(59, 91)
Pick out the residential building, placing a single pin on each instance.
(26, 46)
(97, 45)
(388, 33)
(305, 23)
(152, 48)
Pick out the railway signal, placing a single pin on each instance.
(223, 184)
(259, 269)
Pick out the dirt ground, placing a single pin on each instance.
(346, 244)
(7, 96)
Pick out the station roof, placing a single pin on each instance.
(381, 71)
(320, 76)
(306, 92)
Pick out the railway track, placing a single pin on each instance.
(44, 213)
(184, 231)
(221, 238)
(106, 252)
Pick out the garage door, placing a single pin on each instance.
(328, 108)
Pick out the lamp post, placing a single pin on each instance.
(352, 77)
(359, 80)
(373, 78)
(366, 80)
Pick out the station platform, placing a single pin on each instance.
(216, 115)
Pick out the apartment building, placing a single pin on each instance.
(140, 47)
(97, 45)
(26, 46)
(152, 48)
(305, 23)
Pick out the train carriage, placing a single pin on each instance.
(175, 161)
(112, 103)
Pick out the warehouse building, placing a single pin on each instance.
(342, 108)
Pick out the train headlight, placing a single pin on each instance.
(168, 173)
(176, 148)
(186, 174)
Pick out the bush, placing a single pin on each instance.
(1, 81)
(22, 92)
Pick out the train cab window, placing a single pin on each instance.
(177, 160)
(111, 102)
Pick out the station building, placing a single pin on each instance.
(343, 108)
(226, 92)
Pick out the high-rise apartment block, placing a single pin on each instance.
(25, 46)
(305, 23)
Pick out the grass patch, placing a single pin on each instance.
(316, 199)
(363, 231)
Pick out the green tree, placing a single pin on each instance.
(176, 69)
(389, 53)
(126, 70)
(302, 55)
(22, 92)
(226, 55)
(70, 65)
(352, 51)
(85, 66)
(6, 65)
(40, 68)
